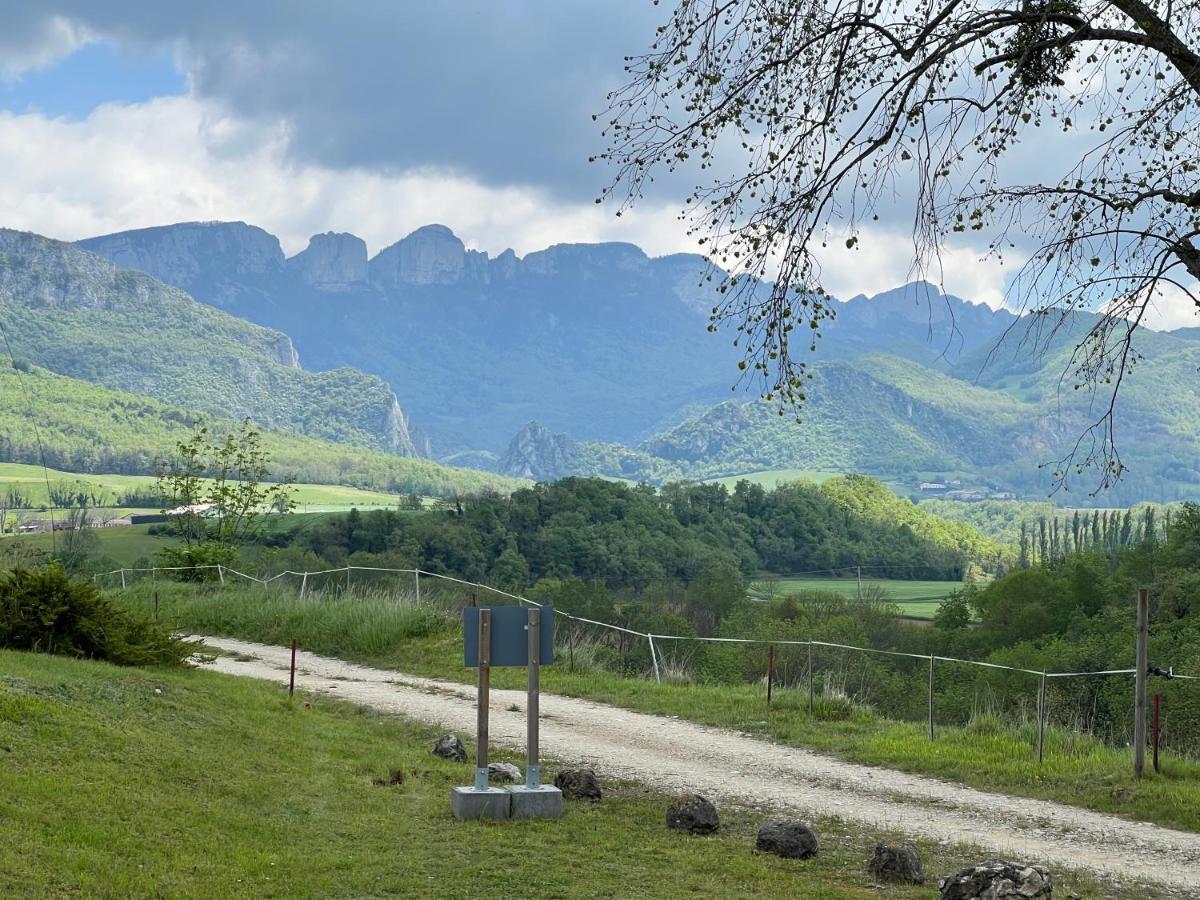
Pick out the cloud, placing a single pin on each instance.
(31, 44)
(180, 159)
(502, 93)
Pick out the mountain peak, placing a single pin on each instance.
(537, 454)
(333, 261)
(432, 254)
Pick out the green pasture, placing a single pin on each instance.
(31, 481)
(918, 599)
(772, 478)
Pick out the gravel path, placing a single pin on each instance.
(672, 754)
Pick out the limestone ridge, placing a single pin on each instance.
(332, 262)
(537, 454)
(78, 314)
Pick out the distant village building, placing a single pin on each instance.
(932, 486)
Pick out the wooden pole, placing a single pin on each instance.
(770, 670)
(931, 734)
(481, 713)
(859, 570)
(533, 769)
(1042, 719)
(1139, 684)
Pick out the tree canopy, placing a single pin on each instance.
(807, 119)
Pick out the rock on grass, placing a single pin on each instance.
(997, 880)
(791, 840)
(694, 814)
(578, 784)
(900, 864)
(448, 746)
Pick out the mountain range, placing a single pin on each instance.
(583, 359)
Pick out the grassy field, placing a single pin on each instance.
(772, 478)
(988, 753)
(918, 599)
(31, 481)
(187, 783)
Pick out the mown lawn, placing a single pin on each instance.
(188, 783)
(988, 754)
(918, 599)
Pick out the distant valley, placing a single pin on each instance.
(595, 359)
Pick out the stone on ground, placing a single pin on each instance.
(448, 746)
(896, 864)
(578, 784)
(502, 771)
(694, 814)
(997, 880)
(792, 840)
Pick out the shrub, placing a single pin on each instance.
(46, 611)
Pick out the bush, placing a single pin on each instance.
(192, 562)
(46, 611)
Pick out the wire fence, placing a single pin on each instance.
(817, 668)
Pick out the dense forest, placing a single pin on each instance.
(630, 538)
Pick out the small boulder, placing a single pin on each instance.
(694, 814)
(896, 864)
(502, 771)
(791, 840)
(997, 880)
(448, 746)
(578, 784)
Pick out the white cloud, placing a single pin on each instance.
(883, 259)
(1173, 308)
(39, 44)
(178, 159)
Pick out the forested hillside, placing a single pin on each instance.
(75, 313)
(82, 427)
(632, 538)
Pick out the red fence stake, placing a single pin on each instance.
(292, 676)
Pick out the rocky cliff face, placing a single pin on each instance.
(430, 255)
(332, 262)
(537, 454)
(187, 254)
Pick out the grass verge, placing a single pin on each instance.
(120, 783)
(988, 754)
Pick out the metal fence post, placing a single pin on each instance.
(1042, 719)
(931, 735)
(221, 574)
(481, 712)
(654, 658)
(303, 584)
(810, 680)
(770, 670)
(533, 769)
(122, 579)
(417, 583)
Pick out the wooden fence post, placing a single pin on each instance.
(1139, 684)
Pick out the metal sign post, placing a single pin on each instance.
(508, 636)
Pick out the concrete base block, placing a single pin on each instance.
(542, 802)
(472, 803)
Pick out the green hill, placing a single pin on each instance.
(84, 427)
(77, 314)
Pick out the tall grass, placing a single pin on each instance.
(370, 624)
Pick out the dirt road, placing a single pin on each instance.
(671, 754)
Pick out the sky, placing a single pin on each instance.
(375, 118)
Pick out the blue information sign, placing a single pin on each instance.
(510, 636)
